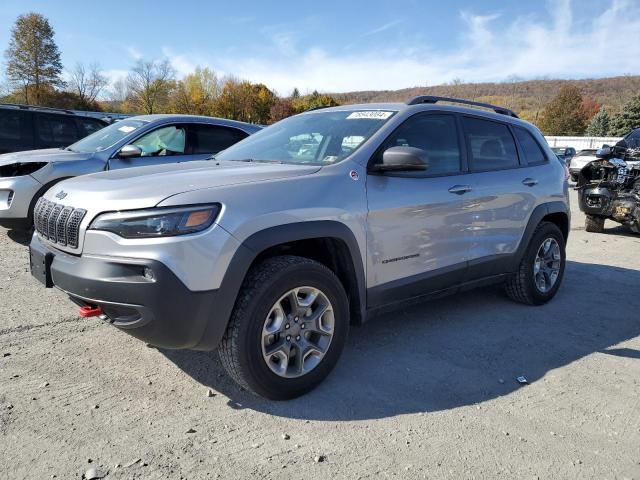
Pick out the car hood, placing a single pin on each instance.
(47, 155)
(145, 187)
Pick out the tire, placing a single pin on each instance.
(594, 224)
(269, 284)
(521, 286)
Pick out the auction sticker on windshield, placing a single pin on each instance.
(376, 115)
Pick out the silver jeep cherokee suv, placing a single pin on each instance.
(270, 251)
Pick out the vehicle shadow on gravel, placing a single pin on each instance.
(20, 236)
(456, 351)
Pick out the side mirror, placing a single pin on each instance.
(605, 152)
(402, 159)
(130, 151)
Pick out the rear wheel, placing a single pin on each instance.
(288, 328)
(594, 224)
(541, 268)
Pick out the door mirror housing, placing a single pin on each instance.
(130, 151)
(402, 159)
(605, 152)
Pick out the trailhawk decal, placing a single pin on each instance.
(397, 259)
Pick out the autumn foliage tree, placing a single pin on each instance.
(33, 59)
(197, 93)
(565, 114)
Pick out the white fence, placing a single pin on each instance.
(580, 143)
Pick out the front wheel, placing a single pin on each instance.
(288, 328)
(541, 269)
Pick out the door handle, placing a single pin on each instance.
(460, 189)
(530, 182)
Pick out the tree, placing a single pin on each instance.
(282, 108)
(295, 93)
(87, 84)
(591, 107)
(627, 119)
(315, 100)
(33, 59)
(599, 126)
(196, 93)
(564, 114)
(149, 84)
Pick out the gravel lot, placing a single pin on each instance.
(426, 392)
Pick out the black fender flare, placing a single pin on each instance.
(540, 212)
(262, 240)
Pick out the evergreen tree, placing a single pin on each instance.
(599, 126)
(627, 119)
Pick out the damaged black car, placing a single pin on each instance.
(609, 187)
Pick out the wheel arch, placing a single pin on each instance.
(329, 242)
(554, 212)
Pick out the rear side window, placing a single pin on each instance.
(10, 124)
(214, 138)
(533, 154)
(436, 134)
(490, 145)
(56, 130)
(89, 126)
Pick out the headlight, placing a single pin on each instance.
(157, 222)
(20, 169)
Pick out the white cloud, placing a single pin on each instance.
(382, 28)
(134, 52)
(491, 47)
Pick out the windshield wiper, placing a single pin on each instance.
(253, 160)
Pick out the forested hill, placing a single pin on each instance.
(525, 97)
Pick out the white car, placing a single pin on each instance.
(579, 161)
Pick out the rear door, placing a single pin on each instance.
(502, 197)
(87, 126)
(55, 130)
(417, 221)
(208, 140)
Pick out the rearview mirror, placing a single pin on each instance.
(402, 159)
(130, 151)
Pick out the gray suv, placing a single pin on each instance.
(273, 249)
(136, 141)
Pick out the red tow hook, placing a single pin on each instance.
(90, 311)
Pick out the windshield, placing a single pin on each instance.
(586, 153)
(315, 138)
(106, 137)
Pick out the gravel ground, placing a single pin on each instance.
(426, 392)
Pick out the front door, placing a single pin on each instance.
(166, 144)
(417, 238)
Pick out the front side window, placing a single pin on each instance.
(533, 154)
(314, 138)
(107, 137)
(436, 135)
(490, 145)
(214, 138)
(56, 129)
(165, 141)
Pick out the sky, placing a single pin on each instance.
(341, 45)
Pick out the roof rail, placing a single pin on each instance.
(36, 107)
(433, 99)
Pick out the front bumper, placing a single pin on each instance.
(16, 195)
(161, 311)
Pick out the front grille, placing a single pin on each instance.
(58, 223)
